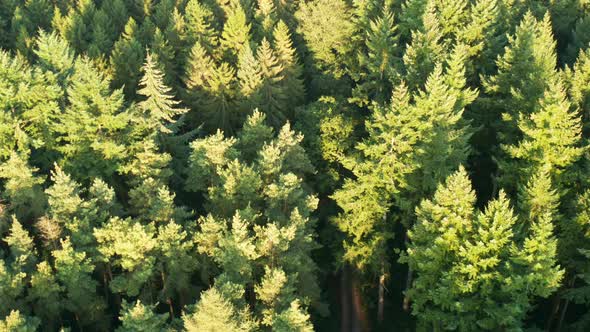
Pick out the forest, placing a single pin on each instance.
(294, 165)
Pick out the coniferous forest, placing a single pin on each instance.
(294, 165)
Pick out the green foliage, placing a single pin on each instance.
(21, 188)
(131, 253)
(379, 63)
(126, 60)
(525, 70)
(326, 27)
(74, 270)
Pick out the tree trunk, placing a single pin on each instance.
(571, 283)
(406, 302)
(381, 304)
(360, 322)
(345, 299)
(171, 308)
(562, 316)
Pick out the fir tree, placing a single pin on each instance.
(235, 35)
(378, 65)
(92, 124)
(465, 275)
(524, 70)
(551, 140)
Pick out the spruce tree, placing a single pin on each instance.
(250, 79)
(126, 59)
(200, 26)
(159, 109)
(211, 91)
(272, 94)
(292, 82)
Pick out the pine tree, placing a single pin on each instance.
(176, 262)
(139, 317)
(13, 283)
(21, 187)
(45, 294)
(17, 322)
(22, 251)
(74, 272)
(268, 204)
(215, 313)
(67, 209)
(131, 254)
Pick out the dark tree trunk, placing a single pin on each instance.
(345, 299)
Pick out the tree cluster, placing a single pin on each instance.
(282, 165)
